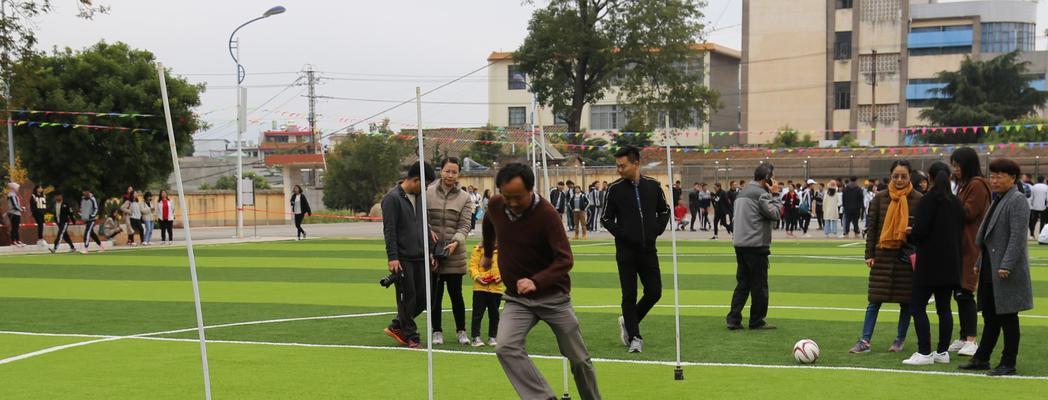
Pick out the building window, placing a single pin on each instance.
(517, 78)
(880, 10)
(842, 95)
(1003, 37)
(607, 117)
(844, 4)
(938, 51)
(842, 46)
(518, 116)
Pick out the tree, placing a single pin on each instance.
(596, 155)
(983, 93)
(229, 182)
(362, 168)
(789, 137)
(577, 50)
(485, 153)
(102, 78)
(847, 140)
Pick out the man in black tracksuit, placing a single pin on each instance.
(63, 217)
(636, 213)
(403, 227)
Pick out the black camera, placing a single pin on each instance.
(390, 280)
(440, 250)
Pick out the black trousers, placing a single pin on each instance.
(645, 265)
(89, 234)
(851, 219)
(136, 227)
(166, 230)
(39, 218)
(791, 220)
(818, 217)
(694, 211)
(918, 307)
(458, 306)
(751, 281)
(1035, 217)
(967, 312)
(704, 213)
(720, 218)
(16, 222)
(63, 235)
(485, 301)
(411, 298)
(994, 323)
(805, 222)
(299, 232)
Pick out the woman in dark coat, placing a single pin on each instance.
(937, 233)
(974, 193)
(1005, 288)
(890, 278)
(299, 207)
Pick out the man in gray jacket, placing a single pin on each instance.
(757, 208)
(88, 215)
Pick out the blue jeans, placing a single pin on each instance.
(831, 227)
(871, 321)
(147, 231)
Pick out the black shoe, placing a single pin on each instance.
(1002, 370)
(693, 229)
(975, 365)
(762, 327)
(734, 327)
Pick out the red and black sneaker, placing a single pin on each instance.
(396, 335)
(413, 344)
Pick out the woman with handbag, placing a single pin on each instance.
(936, 232)
(450, 211)
(891, 277)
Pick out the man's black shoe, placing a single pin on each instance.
(1002, 370)
(734, 327)
(975, 365)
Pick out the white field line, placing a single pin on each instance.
(852, 244)
(548, 357)
(108, 338)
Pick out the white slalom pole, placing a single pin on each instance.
(566, 396)
(186, 231)
(678, 372)
(425, 246)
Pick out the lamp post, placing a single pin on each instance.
(242, 115)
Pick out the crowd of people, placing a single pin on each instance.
(944, 233)
(136, 213)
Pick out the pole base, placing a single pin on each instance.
(565, 397)
(678, 374)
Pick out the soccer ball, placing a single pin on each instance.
(806, 351)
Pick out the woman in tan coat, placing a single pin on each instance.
(891, 279)
(974, 193)
(450, 211)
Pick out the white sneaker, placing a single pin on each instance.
(636, 345)
(477, 342)
(463, 338)
(622, 332)
(941, 358)
(919, 359)
(84, 251)
(969, 349)
(132, 244)
(956, 346)
(438, 338)
(492, 342)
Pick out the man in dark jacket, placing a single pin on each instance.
(852, 202)
(63, 217)
(403, 228)
(636, 214)
(756, 208)
(559, 199)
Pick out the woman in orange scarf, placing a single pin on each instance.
(891, 279)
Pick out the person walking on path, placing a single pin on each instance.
(757, 208)
(88, 214)
(974, 194)
(38, 206)
(63, 217)
(299, 207)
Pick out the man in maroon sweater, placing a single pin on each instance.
(534, 260)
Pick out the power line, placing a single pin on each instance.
(288, 86)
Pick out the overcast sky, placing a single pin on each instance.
(377, 50)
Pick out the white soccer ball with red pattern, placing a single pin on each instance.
(806, 351)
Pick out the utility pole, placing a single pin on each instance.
(311, 81)
(873, 118)
(7, 94)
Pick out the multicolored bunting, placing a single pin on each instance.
(77, 126)
(897, 150)
(88, 113)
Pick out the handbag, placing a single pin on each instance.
(908, 254)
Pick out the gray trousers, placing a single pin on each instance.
(518, 317)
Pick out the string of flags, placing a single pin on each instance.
(76, 126)
(894, 150)
(87, 113)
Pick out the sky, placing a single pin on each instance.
(377, 51)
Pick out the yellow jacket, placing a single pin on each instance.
(476, 272)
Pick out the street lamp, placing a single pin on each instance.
(242, 115)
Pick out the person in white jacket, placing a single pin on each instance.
(830, 200)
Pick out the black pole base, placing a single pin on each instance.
(565, 397)
(678, 374)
